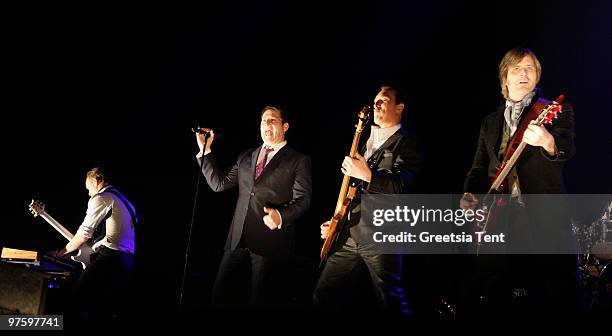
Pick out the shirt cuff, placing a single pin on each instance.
(281, 222)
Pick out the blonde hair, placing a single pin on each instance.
(512, 58)
(98, 174)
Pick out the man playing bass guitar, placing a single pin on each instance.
(110, 221)
(388, 166)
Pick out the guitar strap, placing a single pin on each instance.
(100, 231)
(128, 205)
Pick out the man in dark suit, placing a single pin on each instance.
(537, 171)
(389, 165)
(274, 191)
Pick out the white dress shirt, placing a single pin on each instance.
(119, 227)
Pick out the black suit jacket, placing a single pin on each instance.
(394, 167)
(547, 223)
(538, 173)
(285, 185)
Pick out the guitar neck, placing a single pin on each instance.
(56, 225)
(549, 112)
(346, 178)
(508, 166)
(343, 192)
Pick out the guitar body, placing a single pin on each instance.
(496, 199)
(83, 255)
(492, 205)
(347, 193)
(335, 224)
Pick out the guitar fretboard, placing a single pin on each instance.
(56, 225)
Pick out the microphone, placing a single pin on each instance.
(199, 130)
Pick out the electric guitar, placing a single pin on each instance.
(346, 193)
(491, 203)
(83, 256)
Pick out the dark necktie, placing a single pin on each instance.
(260, 166)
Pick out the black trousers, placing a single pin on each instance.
(520, 282)
(336, 287)
(105, 288)
(246, 279)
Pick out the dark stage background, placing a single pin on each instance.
(122, 87)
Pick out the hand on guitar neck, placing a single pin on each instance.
(538, 136)
(357, 167)
(325, 230)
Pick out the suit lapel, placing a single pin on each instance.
(392, 139)
(274, 162)
(254, 156)
(496, 130)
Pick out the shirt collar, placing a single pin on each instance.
(103, 189)
(276, 146)
(380, 135)
(522, 103)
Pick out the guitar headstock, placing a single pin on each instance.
(365, 117)
(552, 111)
(37, 207)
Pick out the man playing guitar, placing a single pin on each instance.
(110, 222)
(537, 171)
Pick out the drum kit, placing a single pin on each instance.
(596, 262)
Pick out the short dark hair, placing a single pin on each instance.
(283, 114)
(397, 90)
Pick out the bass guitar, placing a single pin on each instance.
(37, 208)
(347, 193)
